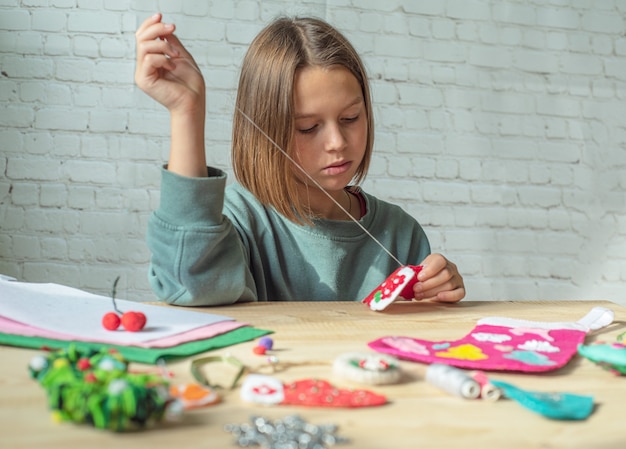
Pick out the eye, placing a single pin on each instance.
(307, 130)
(351, 119)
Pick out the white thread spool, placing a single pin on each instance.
(453, 381)
(488, 391)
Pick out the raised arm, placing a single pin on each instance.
(167, 72)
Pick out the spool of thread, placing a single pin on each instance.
(453, 381)
(488, 391)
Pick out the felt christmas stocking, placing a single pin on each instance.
(502, 344)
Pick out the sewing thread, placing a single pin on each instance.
(453, 380)
(299, 167)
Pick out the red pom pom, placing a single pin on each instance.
(143, 319)
(111, 321)
(133, 321)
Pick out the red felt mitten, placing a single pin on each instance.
(268, 390)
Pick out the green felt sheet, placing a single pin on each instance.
(138, 354)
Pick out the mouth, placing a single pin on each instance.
(337, 168)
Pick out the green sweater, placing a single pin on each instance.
(215, 245)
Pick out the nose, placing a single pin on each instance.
(335, 138)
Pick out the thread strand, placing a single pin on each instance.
(318, 185)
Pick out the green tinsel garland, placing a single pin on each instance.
(96, 388)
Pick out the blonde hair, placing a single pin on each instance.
(265, 94)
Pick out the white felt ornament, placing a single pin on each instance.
(368, 368)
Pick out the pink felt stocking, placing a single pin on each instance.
(502, 344)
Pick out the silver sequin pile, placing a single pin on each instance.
(291, 432)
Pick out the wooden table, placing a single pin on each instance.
(419, 415)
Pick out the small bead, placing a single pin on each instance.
(259, 350)
(38, 363)
(267, 343)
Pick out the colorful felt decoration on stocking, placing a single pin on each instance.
(502, 344)
(398, 286)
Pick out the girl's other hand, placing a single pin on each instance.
(439, 281)
(165, 70)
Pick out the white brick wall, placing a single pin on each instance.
(501, 126)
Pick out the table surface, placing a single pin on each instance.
(312, 335)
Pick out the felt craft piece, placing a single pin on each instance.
(268, 390)
(563, 406)
(502, 344)
(200, 333)
(137, 354)
(611, 357)
(368, 368)
(96, 388)
(398, 286)
(194, 395)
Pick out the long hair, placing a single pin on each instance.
(265, 94)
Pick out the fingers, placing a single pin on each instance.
(147, 22)
(152, 28)
(157, 49)
(431, 266)
(439, 281)
(450, 296)
(155, 38)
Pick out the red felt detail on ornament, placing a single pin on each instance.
(407, 292)
(133, 321)
(320, 393)
(398, 285)
(111, 321)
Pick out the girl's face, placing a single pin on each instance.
(330, 125)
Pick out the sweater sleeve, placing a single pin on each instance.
(197, 256)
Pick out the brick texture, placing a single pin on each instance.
(501, 126)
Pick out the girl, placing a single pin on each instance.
(303, 131)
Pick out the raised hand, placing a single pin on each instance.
(165, 70)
